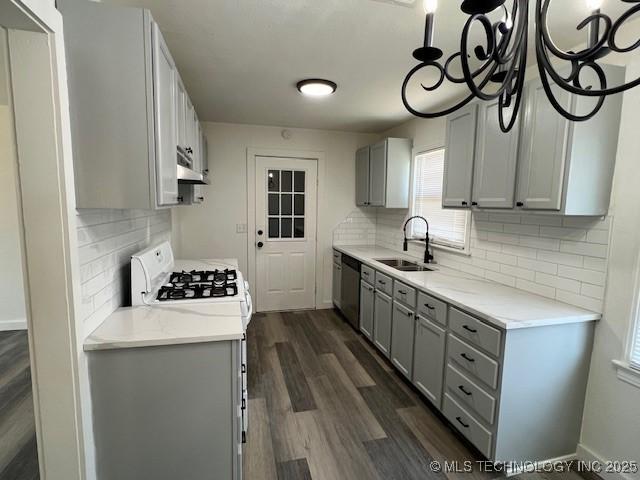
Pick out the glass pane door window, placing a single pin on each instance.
(286, 191)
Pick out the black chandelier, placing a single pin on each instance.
(502, 58)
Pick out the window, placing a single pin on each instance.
(634, 360)
(449, 228)
(285, 202)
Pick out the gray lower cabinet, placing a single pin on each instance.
(168, 412)
(402, 335)
(337, 284)
(517, 395)
(367, 300)
(428, 359)
(382, 318)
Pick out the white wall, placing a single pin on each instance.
(611, 426)
(12, 306)
(209, 230)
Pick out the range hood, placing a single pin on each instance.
(186, 174)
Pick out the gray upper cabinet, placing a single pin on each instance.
(382, 174)
(546, 163)
(378, 175)
(362, 176)
(127, 120)
(544, 146)
(567, 167)
(496, 155)
(459, 157)
(164, 83)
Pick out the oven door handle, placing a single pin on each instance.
(250, 306)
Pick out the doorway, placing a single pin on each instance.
(285, 236)
(18, 446)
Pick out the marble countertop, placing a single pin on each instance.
(173, 324)
(502, 306)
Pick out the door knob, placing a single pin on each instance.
(260, 244)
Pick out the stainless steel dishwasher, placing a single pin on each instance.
(350, 291)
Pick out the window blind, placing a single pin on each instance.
(446, 227)
(635, 347)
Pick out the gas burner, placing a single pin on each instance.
(199, 284)
(219, 277)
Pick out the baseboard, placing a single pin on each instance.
(6, 325)
(517, 468)
(324, 306)
(587, 455)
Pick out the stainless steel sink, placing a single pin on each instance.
(404, 265)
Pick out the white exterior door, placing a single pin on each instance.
(286, 196)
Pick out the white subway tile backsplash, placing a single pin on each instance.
(552, 256)
(588, 276)
(522, 229)
(107, 239)
(583, 248)
(558, 282)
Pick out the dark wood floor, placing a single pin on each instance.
(323, 404)
(18, 455)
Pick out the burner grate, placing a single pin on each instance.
(199, 284)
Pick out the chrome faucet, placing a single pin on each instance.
(428, 258)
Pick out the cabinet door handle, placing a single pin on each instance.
(464, 204)
(464, 390)
(201, 199)
(429, 306)
(366, 274)
(243, 369)
(475, 204)
(244, 437)
(402, 292)
(244, 404)
(467, 358)
(469, 329)
(465, 425)
(520, 204)
(381, 282)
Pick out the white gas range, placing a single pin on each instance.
(157, 280)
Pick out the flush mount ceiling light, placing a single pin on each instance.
(316, 87)
(500, 58)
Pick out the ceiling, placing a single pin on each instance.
(240, 59)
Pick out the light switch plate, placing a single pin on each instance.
(241, 228)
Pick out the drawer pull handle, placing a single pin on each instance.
(244, 368)
(465, 425)
(469, 329)
(244, 404)
(465, 391)
(402, 292)
(366, 274)
(467, 358)
(381, 282)
(429, 306)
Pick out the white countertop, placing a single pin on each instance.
(503, 306)
(173, 324)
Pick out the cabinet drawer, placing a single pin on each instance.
(432, 308)
(404, 294)
(475, 331)
(473, 361)
(337, 257)
(470, 394)
(467, 425)
(367, 274)
(384, 283)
